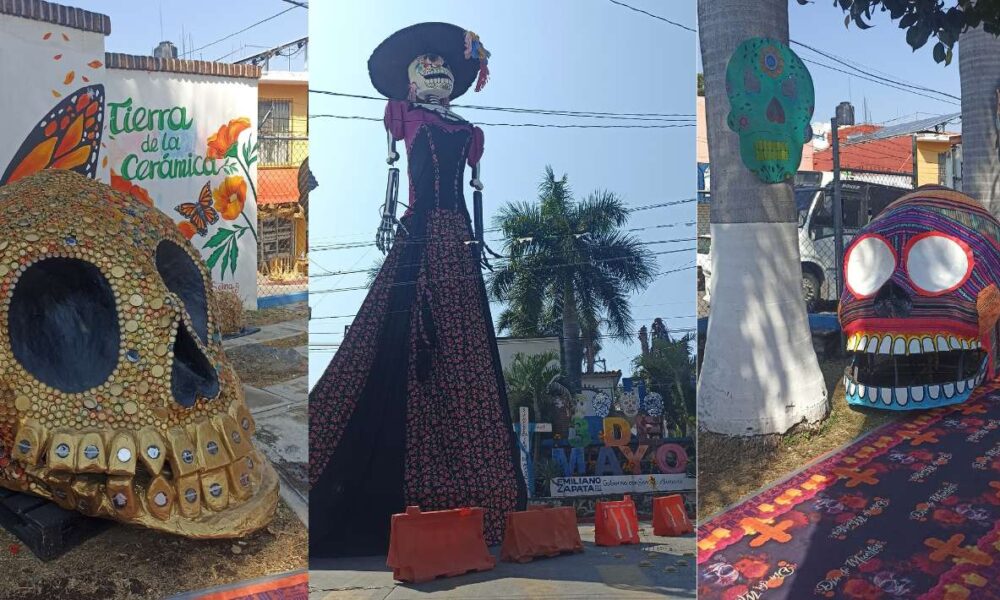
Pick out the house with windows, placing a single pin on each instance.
(283, 125)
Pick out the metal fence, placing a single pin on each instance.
(282, 261)
(832, 206)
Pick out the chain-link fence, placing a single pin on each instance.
(282, 262)
(859, 183)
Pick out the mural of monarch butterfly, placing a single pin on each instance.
(68, 137)
(201, 214)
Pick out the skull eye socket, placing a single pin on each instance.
(869, 263)
(937, 263)
(63, 324)
(183, 277)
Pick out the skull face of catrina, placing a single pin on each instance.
(116, 399)
(431, 77)
(771, 100)
(921, 302)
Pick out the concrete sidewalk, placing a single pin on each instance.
(281, 413)
(658, 567)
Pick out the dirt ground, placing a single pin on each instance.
(127, 563)
(731, 468)
(277, 314)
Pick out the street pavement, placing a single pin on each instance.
(282, 416)
(658, 567)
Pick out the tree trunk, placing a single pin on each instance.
(573, 356)
(760, 374)
(979, 66)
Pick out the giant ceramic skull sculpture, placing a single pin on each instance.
(771, 100)
(116, 399)
(921, 302)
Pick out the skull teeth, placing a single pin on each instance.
(913, 396)
(206, 467)
(900, 345)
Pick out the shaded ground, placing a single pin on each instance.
(659, 567)
(277, 314)
(261, 365)
(126, 563)
(732, 468)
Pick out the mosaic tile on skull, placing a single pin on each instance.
(96, 392)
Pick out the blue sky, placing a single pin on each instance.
(883, 51)
(137, 31)
(584, 55)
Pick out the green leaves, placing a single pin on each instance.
(923, 19)
(226, 244)
(249, 152)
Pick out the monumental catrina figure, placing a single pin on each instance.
(412, 410)
(116, 398)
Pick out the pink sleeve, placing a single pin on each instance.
(395, 113)
(476, 151)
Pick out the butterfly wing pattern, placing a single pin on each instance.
(69, 137)
(201, 214)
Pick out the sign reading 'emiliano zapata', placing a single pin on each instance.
(921, 302)
(771, 101)
(116, 398)
(412, 409)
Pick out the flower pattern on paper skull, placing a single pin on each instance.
(921, 302)
(430, 77)
(630, 403)
(116, 399)
(771, 100)
(601, 402)
(653, 404)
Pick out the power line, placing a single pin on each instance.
(245, 29)
(537, 125)
(856, 68)
(649, 14)
(540, 111)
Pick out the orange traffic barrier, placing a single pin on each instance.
(616, 523)
(440, 543)
(670, 516)
(540, 531)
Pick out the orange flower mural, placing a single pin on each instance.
(230, 197)
(187, 229)
(223, 142)
(125, 186)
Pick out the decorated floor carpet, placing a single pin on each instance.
(284, 586)
(911, 510)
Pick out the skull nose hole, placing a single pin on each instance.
(775, 113)
(892, 301)
(192, 373)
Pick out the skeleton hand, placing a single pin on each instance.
(386, 234)
(475, 183)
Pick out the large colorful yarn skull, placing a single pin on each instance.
(921, 302)
(116, 399)
(771, 101)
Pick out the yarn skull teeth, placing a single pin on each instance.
(116, 398)
(920, 305)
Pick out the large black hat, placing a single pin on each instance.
(461, 49)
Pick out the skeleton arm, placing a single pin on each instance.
(386, 230)
(477, 208)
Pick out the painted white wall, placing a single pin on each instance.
(40, 64)
(208, 103)
(508, 347)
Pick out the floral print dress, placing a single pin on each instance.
(412, 410)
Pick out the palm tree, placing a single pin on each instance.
(760, 373)
(569, 263)
(528, 379)
(979, 68)
(668, 369)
